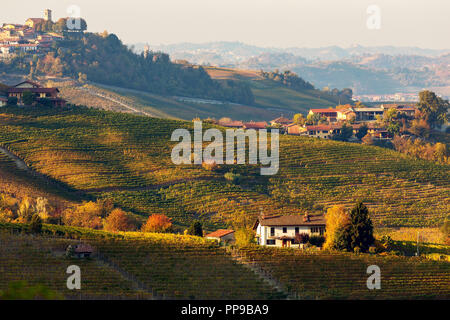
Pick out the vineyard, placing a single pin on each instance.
(127, 158)
(163, 266)
(343, 275)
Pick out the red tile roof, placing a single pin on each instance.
(231, 123)
(255, 125)
(219, 233)
(324, 110)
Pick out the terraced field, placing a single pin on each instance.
(127, 158)
(40, 261)
(163, 266)
(343, 276)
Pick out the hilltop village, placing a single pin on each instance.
(35, 36)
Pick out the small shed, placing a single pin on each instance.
(83, 250)
(222, 235)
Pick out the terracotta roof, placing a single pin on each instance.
(324, 127)
(83, 248)
(219, 233)
(324, 110)
(292, 220)
(231, 123)
(255, 125)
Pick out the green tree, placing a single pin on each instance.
(195, 229)
(362, 132)
(433, 109)
(345, 134)
(12, 101)
(361, 228)
(299, 119)
(27, 98)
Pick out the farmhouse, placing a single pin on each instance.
(221, 235)
(281, 121)
(330, 114)
(325, 131)
(295, 129)
(281, 230)
(367, 114)
(40, 93)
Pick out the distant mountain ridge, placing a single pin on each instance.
(367, 70)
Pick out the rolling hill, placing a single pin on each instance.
(126, 158)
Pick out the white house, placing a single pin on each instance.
(280, 231)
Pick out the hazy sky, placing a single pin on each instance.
(278, 23)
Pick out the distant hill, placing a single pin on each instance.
(367, 70)
(104, 59)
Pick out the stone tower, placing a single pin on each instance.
(48, 15)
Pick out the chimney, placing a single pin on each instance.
(306, 217)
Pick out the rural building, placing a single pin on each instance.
(281, 121)
(280, 231)
(222, 235)
(330, 114)
(409, 110)
(295, 129)
(231, 124)
(32, 22)
(367, 114)
(325, 131)
(255, 125)
(83, 250)
(51, 94)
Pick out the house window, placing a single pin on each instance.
(272, 231)
(319, 230)
(296, 230)
(270, 242)
(284, 230)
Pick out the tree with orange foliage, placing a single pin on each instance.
(336, 218)
(157, 223)
(118, 220)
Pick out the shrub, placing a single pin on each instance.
(317, 241)
(195, 229)
(157, 223)
(118, 220)
(302, 238)
(87, 215)
(210, 165)
(36, 224)
(12, 101)
(233, 177)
